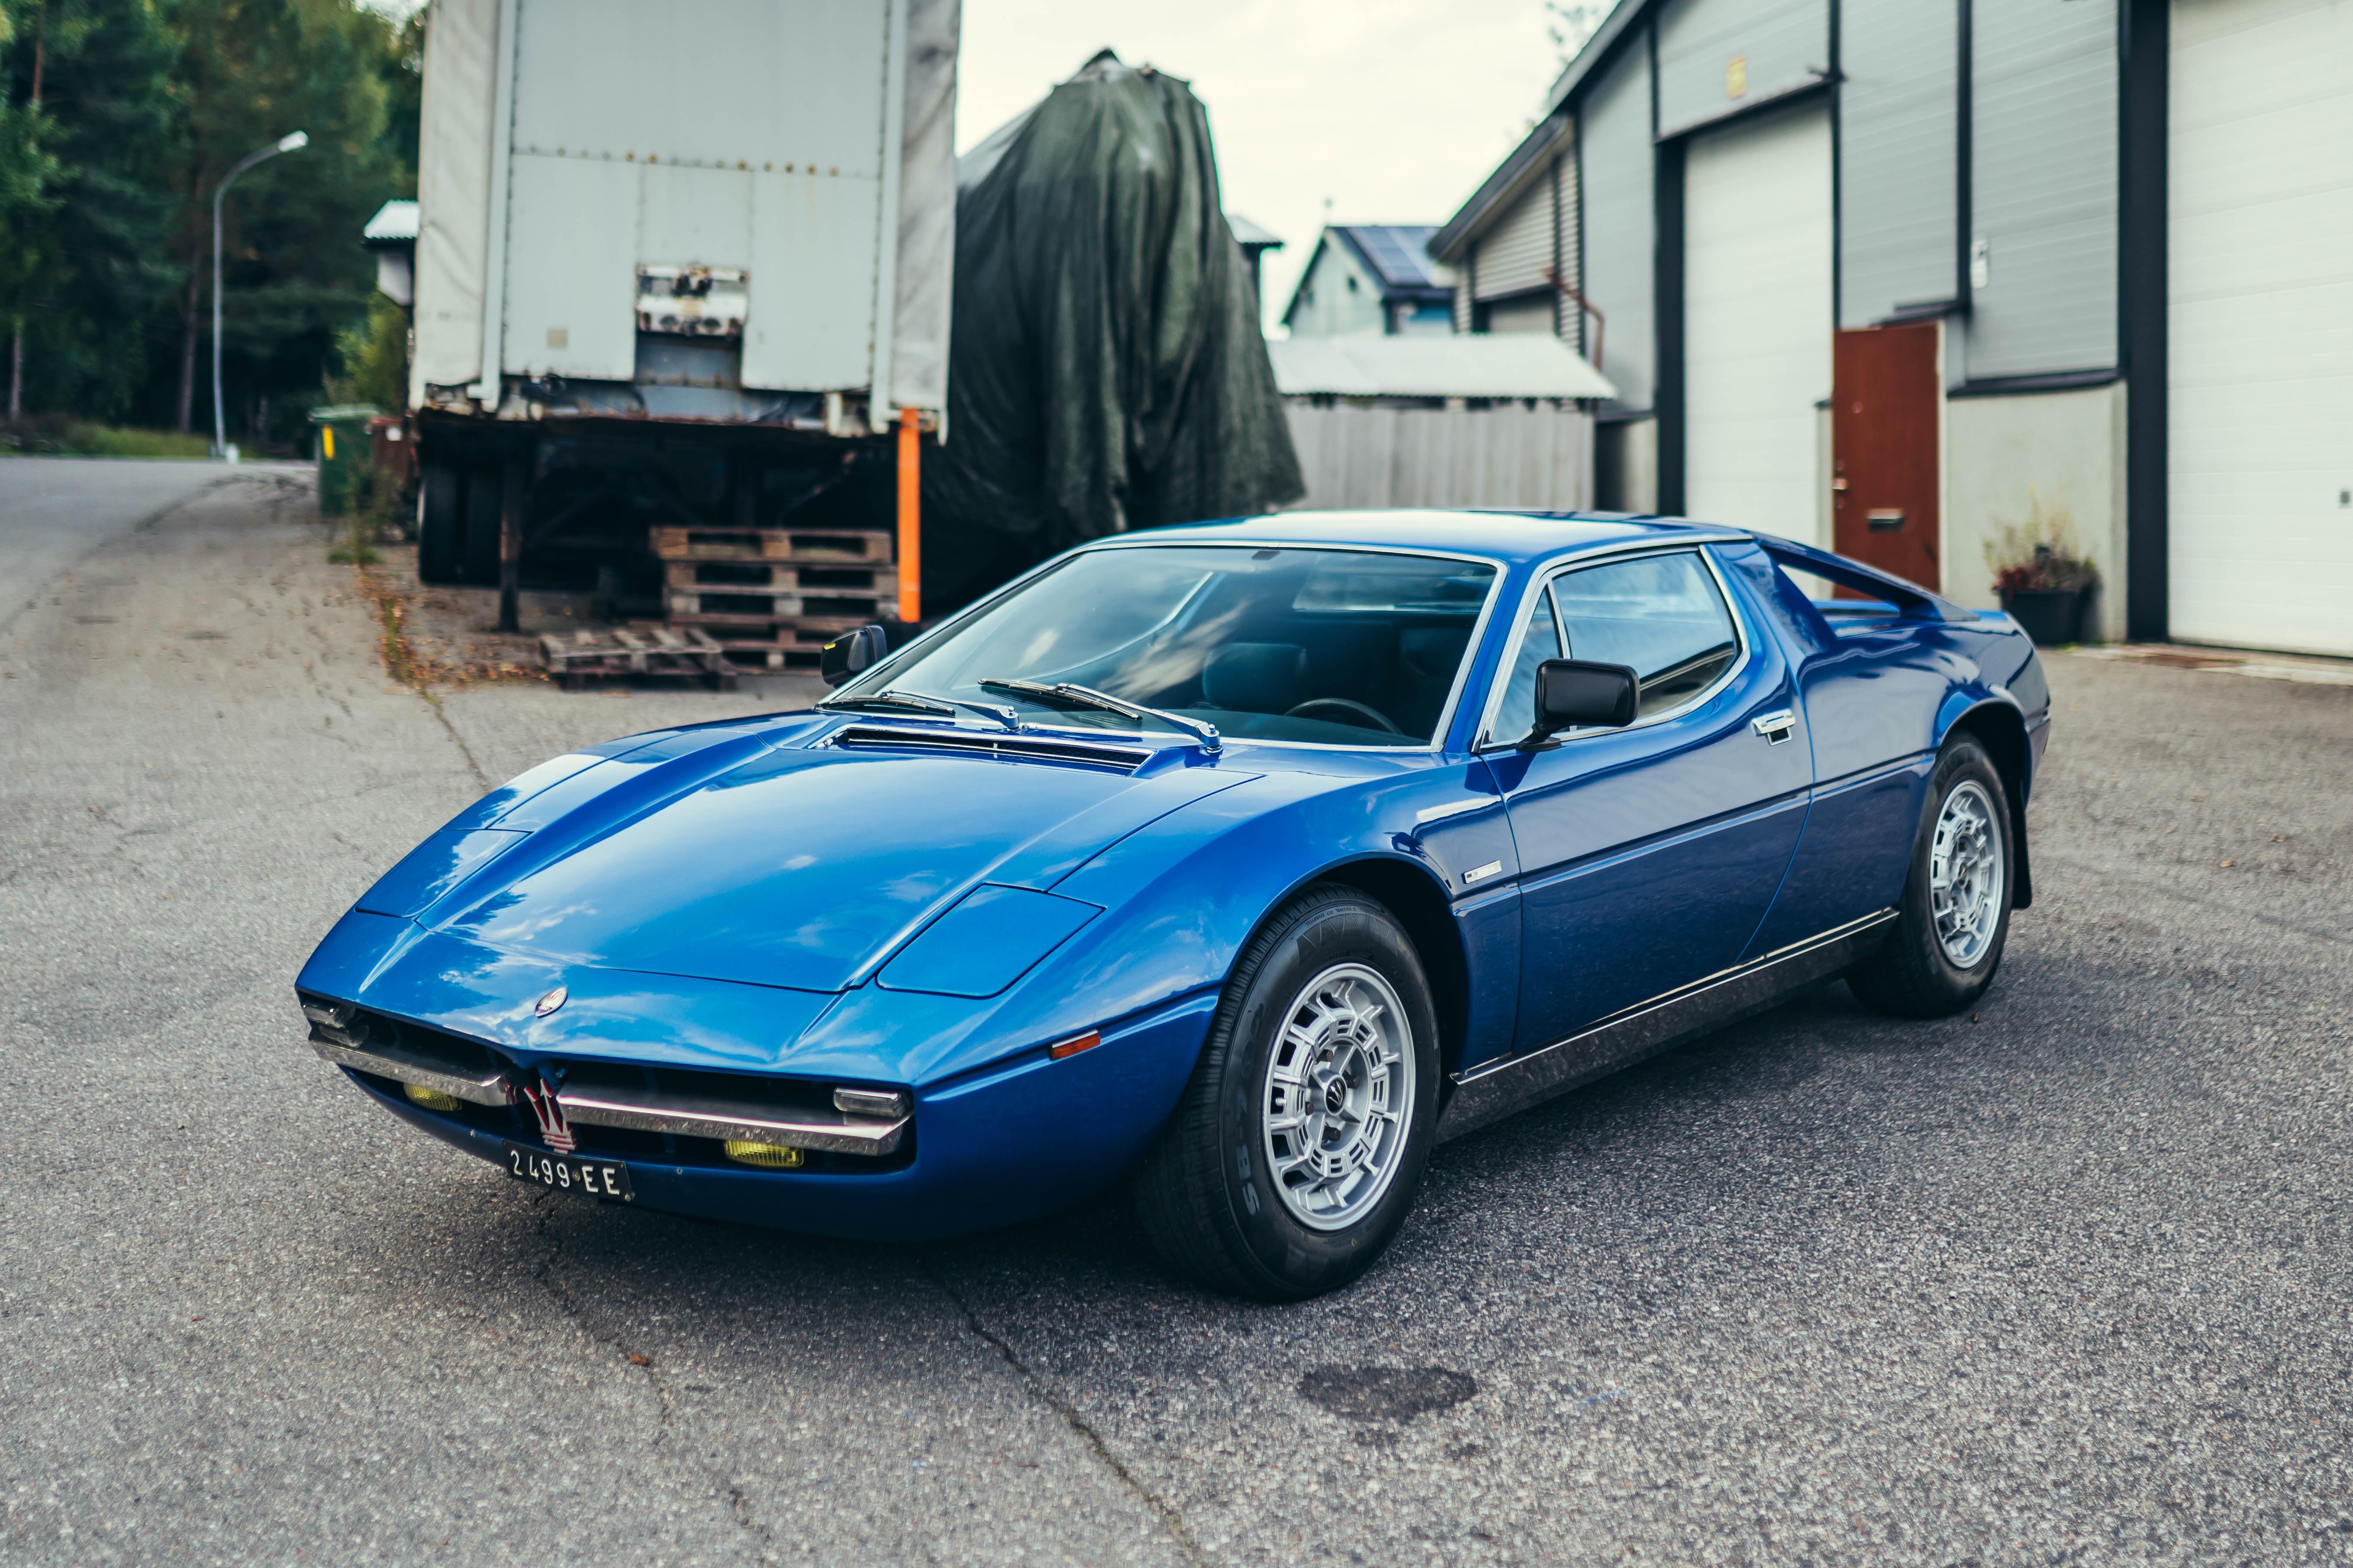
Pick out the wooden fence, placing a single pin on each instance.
(1358, 456)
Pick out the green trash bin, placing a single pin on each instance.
(345, 453)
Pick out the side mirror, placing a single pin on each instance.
(852, 653)
(1572, 692)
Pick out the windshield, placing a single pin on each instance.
(1338, 647)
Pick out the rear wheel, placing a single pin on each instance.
(481, 558)
(441, 524)
(1293, 1156)
(1954, 916)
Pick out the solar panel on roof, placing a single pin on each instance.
(1396, 252)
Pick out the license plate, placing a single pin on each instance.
(569, 1173)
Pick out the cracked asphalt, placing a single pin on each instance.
(2063, 1280)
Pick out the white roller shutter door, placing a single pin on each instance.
(2261, 352)
(1756, 323)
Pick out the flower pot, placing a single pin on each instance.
(2054, 617)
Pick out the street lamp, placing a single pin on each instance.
(288, 143)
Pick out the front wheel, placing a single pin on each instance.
(1293, 1156)
(1955, 913)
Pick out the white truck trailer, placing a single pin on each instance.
(687, 263)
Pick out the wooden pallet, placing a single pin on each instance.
(761, 576)
(657, 652)
(815, 546)
(787, 647)
(740, 607)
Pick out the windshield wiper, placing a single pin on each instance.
(1088, 696)
(916, 704)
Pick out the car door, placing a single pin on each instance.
(1649, 854)
(1870, 693)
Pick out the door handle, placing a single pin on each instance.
(1775, 727)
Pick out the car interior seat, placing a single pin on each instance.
(1255, 677)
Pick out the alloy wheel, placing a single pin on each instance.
(1338, 1096)
(1966, 885)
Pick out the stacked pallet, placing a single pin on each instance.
(771, 597)
(659, 651)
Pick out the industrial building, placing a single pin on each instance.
(1896, 276)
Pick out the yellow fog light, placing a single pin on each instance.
(430, 1099)
(767, 1156)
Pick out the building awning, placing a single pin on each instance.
(1250, 236)
(395, 223)
(1476, 365)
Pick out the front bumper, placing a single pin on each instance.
(1022, 1138)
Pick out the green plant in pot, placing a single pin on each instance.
(2039, 569)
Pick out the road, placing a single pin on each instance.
(54, 510)
(2063, 1278)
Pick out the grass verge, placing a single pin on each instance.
(52, 436)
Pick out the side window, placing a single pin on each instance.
(1539, 640)
(1661, 614)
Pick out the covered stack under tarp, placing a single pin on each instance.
(1106, 369)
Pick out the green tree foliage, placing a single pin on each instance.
(90, 269)
(374, 355)
(403, 71)
(147, 104)
(28, 172)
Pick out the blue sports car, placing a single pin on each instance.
(1244, 860)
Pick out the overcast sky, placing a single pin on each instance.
(1393, 110)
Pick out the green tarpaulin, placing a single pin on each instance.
(1106, 369)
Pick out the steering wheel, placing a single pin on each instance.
(1380, 721)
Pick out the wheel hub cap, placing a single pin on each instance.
(1967, 893)
(1338, 1096)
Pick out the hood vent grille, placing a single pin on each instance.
(1031, 748)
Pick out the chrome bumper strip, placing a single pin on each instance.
(480, 1086)
(1493, 1090)
(593, 1096)
(698, 1116)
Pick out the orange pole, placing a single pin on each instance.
(911, 533)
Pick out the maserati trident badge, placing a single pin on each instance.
(552, 1127)
(551, 1002)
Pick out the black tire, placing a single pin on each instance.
(1205, 1194)
(479, 560)
(1913, 975)
(441, 524)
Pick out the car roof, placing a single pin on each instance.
(1510, 537)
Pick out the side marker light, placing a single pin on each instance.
(1074, 1046)
(767, 1156)
(430, 1099)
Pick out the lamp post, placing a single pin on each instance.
(288, 143)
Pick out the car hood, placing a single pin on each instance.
(795, 868)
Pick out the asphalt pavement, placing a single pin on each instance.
(54, 510)
(2063, 1279)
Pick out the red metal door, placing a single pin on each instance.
(1885, 450)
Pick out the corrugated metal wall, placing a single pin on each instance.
(1515, 251)
(1510, 456)
(1567, 319)
(2045, 195)
(1615, 132)
(1782, 44)
(1899, 156)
